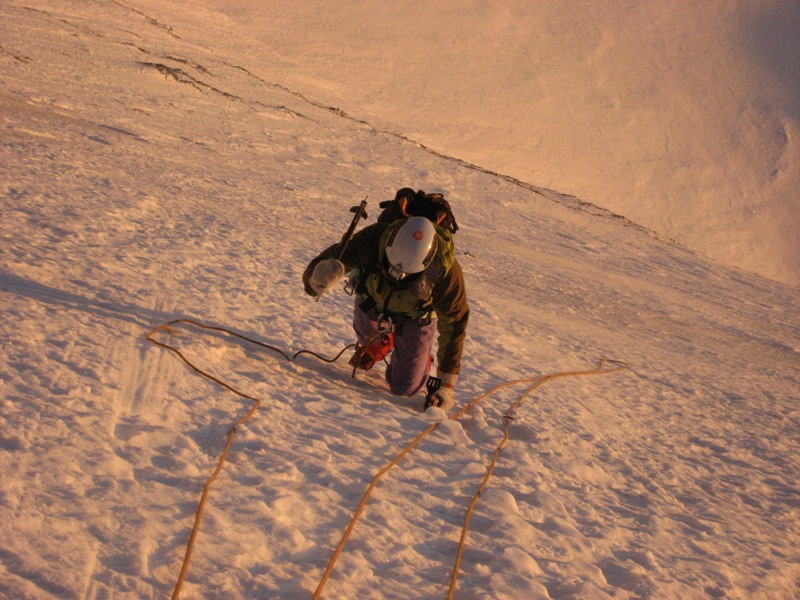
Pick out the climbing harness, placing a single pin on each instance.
(380, 336)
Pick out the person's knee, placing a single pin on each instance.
(406, 379)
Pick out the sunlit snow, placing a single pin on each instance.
(168, 160)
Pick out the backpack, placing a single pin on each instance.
(419, 204)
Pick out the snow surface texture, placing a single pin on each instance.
(158, 164)
(682, 116)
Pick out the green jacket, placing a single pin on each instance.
(438, 292)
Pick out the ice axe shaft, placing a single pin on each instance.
(360, 213)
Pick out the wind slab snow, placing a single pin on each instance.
(156, 166)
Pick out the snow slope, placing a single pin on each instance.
(682, 116)
(158, 164)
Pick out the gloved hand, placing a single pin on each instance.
(326, 273)
(444, 397)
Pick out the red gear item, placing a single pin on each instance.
(366, 357)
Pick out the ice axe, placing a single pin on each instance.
(360, 213)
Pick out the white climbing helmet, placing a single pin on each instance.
(410, 248)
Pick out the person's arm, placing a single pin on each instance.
(358, 252)
(452, 310)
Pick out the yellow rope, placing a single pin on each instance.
(223, 457)
(207, 487)
(507, 417)
(361, 505)
(474, 501)
(381, 473)
(536, 382)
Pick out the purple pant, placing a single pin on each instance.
(410, 362)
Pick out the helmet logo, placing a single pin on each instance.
(417, 235)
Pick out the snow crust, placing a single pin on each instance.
(161, 161)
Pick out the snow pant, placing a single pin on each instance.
(410, 362)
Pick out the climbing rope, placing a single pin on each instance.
(381, 473)
(286, 355)
(533, 384)
(168, 327)
(508, 416)
(361, 506)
